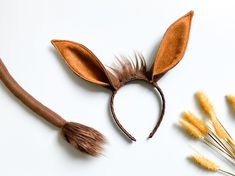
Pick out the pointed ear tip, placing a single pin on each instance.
(56, 43)
(190, 14)
(53, 41)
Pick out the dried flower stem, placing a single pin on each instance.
(220, 143)
(226, 172)
(219, 150)
(216, 145)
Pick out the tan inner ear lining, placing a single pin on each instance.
(172, 46)
(82, 61)
(87, 69)
(175, 51)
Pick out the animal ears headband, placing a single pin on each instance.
(87, 66)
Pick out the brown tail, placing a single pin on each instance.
(83, 138)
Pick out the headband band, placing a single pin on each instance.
(158, 89)
(87, 66)
(127, 70)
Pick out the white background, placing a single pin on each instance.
(31, 146)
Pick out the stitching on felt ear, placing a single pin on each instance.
(172, 47)
(84, 63)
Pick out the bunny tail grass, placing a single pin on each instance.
(199, 124)
(231, 101)
(207, 164)
(204, 163)
(83, 138)
(205, 104)
(190, 129)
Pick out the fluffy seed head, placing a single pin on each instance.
(199, 124)
(83, 138)
(205, 104)
(191, 129)
(231, 101)
(204, 163)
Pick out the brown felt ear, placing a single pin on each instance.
(84, 63)
(172, 46)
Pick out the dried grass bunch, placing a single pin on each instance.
(211, 132)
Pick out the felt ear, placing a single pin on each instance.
(172, 46)
(84, 63)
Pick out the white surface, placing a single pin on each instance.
(33, 147)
